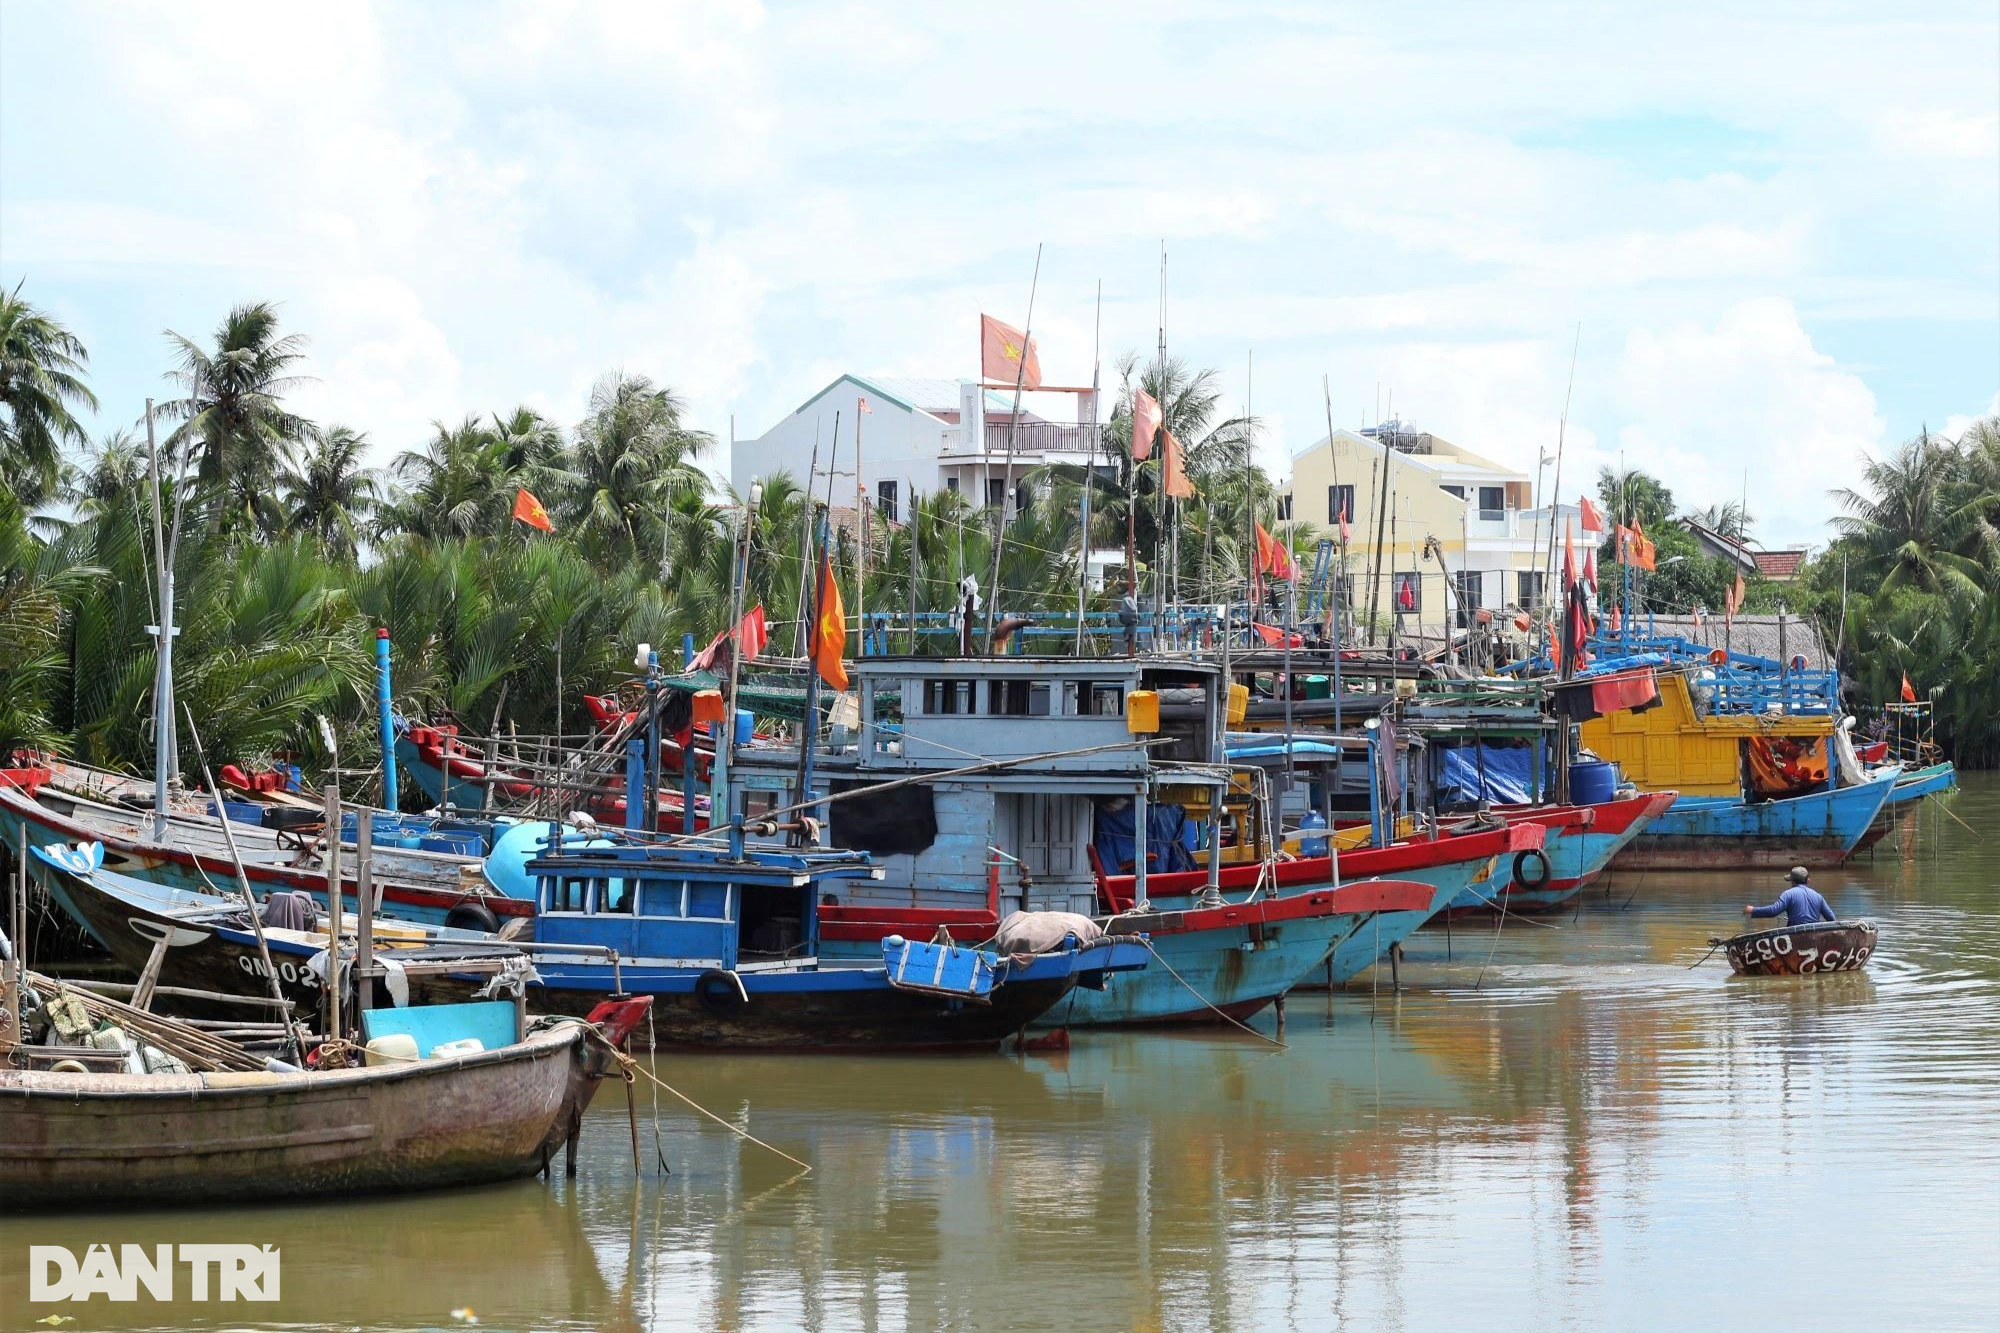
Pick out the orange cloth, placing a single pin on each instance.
(1593, 517)
(1145, 424)
(1176, 483)
(1272, 557)
(1001, 351)
(529, 510)
(829, 644)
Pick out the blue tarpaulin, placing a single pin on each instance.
(1499, 774)
(1168, 839)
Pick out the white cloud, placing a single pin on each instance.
(1938, 132)
(1957, 424)
(1700, 405)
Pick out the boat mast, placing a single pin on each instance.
(163, 661)
(1089, 479)
(1013, 422)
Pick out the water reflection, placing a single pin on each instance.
(1577, 1124)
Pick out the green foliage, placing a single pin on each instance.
(41, 379)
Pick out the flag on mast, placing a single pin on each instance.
(1272, 557)
(1145, 424)
(1007, 354)
(1176, 481)
(529, 510)
(829, 636)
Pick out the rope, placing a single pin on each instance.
(631, 1064)
(1205, 1000)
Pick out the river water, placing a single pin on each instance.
(1562, 1125)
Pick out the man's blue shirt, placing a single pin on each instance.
(1801, 905)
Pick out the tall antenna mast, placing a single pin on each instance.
(1089, 469)
(1007, 488)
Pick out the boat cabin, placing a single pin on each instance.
(1085, 740)
(690, 907)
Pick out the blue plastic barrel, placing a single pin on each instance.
(1592, 781)
(746, 726)
(456, 842)
(241, 812)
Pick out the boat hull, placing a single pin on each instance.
(1792, 951)
(840, 1008)
(83, 1140)
(1705, 833)
(1229, 962)
(1577, 854)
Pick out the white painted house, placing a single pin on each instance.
(920, 435)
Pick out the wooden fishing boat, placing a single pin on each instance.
(96, 1139)
(412, 884)
(1790, 951)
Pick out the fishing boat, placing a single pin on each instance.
(723, 946)
(1790, 951)
(98, 1139)
(1817, 829)
(1757, 788)
(413, 883)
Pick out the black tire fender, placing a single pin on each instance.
(1532, 873)
(719, 991)
(473, 916)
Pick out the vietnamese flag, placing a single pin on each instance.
(529, 510)
(1007, 354)
(1145, 424)
(829, 631)
(1909, 690)
(1272, 557)
(1176, 483)
(1593, 517)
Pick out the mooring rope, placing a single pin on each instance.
(1206, 1001)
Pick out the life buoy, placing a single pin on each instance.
(1539, 866)
(1718, 657)
(720, 992)
(473, 916)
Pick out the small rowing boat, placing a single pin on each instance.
(1790, 951)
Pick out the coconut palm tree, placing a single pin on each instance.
(1923, 520)
(41, 380)
(1632, 495)
(1729, 520)
(633, 453)
(459, 483)
(234, 420)
(328, 493)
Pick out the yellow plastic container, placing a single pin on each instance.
(1239, 704)
(1142, 712)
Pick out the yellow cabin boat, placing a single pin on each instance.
(1679, 748)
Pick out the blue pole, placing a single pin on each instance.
(1374, 793)
(635, 783)
(387, 720)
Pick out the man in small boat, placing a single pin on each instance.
(1800, 904)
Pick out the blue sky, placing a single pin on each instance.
(1777, 231)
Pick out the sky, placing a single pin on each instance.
(1768, 236)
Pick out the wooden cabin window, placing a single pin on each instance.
(1019, 698)
(615, 894)
(948, 697)
(710, 901)
(566, 893)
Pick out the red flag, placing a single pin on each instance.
(829, 636)
(1145, 424)
(1643, 549)
(1343, 525)
(1590, 565)
(1272, 557)
(751, 632)
(1007, 354)
(1732, 601)
(1593, 517)
(529, 510)
(1176, 482)
(1909, 690)
(1406, 596)
(1276, 637)
(1616, 618)
(1569, 560)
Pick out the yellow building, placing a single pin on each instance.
(1481, 513)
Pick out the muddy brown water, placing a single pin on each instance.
(1561, 1125)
